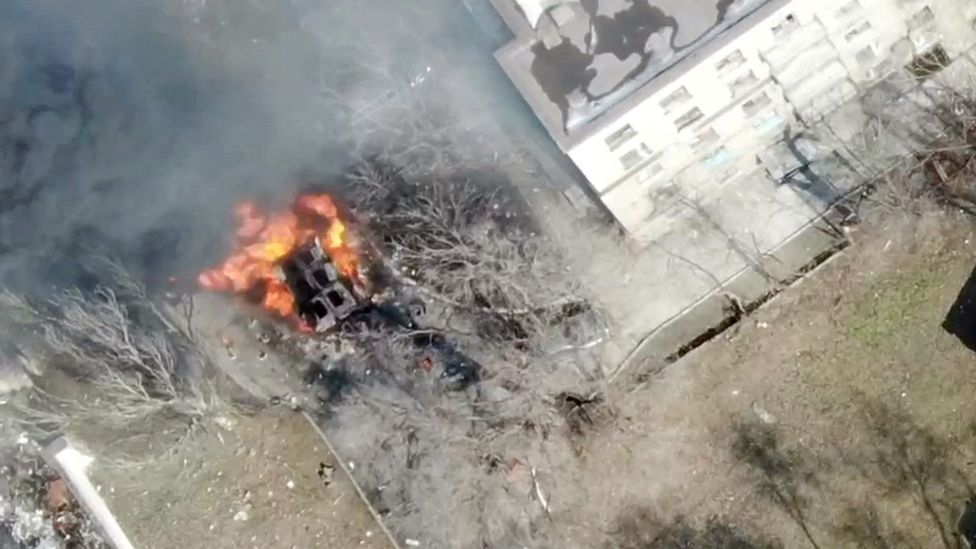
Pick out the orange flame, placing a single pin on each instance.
(334, 241)
(263, 241)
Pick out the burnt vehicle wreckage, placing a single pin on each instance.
(407, 275)
(327, 301)
(308, 268)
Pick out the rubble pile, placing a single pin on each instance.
(37, 511)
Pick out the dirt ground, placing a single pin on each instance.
(838, 414)
(255, 484)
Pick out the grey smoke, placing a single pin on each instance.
(140, 123)
(109, 121)
(145, 119)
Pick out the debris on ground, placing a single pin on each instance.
(325, 473)
(235, 493)
(763, 415)
(37, 509)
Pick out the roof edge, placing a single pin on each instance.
(669, 75)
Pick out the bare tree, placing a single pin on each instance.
(468, 243)
(456, 464)
(110, 360)
(939, 130)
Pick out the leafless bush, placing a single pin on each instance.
(450, 471)
(941, 133)
(469, 245)
(449, 467)
(458, 468)
(401, 117)
(108, 361)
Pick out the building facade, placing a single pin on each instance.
(662, 103)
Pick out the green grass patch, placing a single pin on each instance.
(897, 307)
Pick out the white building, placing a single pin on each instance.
(662, 101)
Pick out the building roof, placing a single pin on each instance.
(584, 56)
(533, 10)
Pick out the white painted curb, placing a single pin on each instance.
(72, 466)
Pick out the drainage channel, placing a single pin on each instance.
(755, 305)
(735, 317)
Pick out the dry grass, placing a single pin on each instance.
(107, 362)
(872, 432)
(191, 500)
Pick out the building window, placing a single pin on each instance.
(743, 83)
(865, 56)
(717, 158)
(619, 137)
(786, 27)
(675, 99)
(635, 156)
(756, 104)
(921, 19)
(769, 122)
(688, 118)
(704, 138)
(848, 9)
(730, 62)
(858, 30)
(631, 159)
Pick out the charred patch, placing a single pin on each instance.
(332, 383)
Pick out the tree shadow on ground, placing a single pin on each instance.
(900, 457)
(867, 528)
(781, 475)
(903, 457)
(640, 529)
